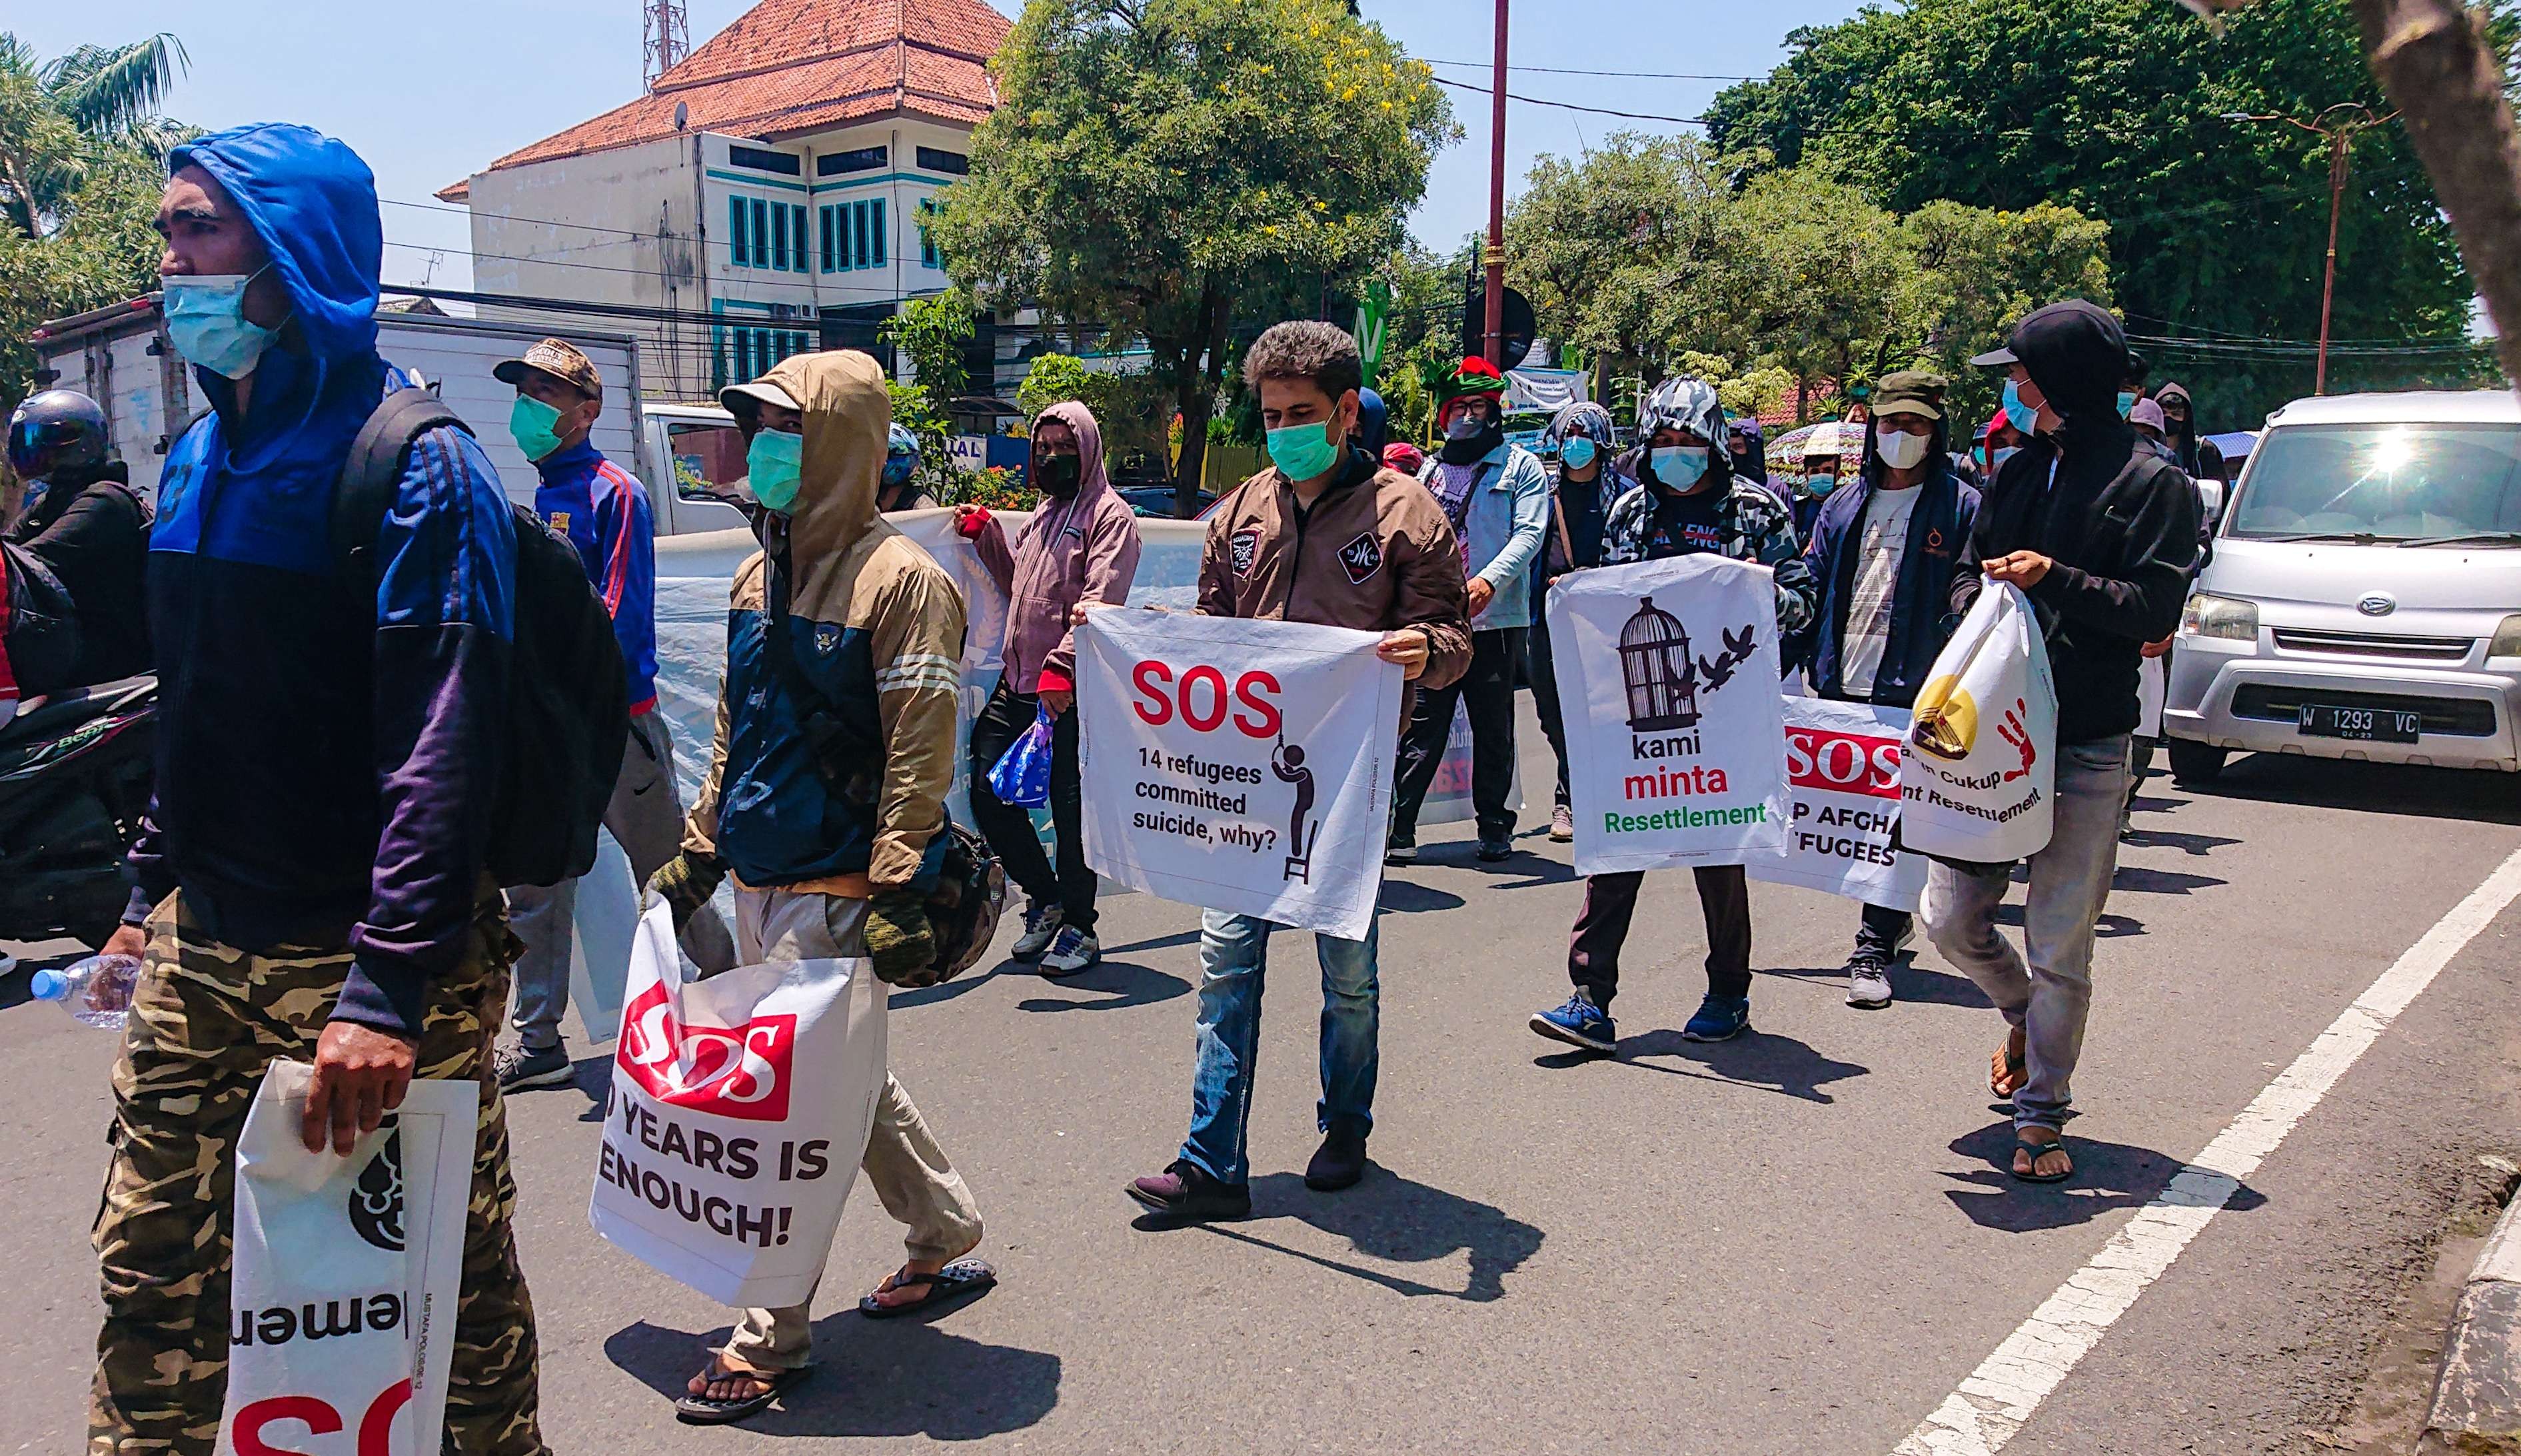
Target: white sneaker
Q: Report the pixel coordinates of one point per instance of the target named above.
(1041, 926)
(1562, 825)
(1073, 951)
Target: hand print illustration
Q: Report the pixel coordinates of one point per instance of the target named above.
(2012, 732)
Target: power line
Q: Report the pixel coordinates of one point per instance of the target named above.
(1650, 76)
(1569, 105)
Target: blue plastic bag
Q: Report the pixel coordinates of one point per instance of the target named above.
(1021, 776)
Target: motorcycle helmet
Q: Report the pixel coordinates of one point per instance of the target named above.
(54, 431)
(901, 455)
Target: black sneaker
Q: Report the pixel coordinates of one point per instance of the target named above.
(1401, 849)
(519, 1067)
(1183, 1192)
(1491, 851)
(1341, 1160)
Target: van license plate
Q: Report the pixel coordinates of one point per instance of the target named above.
(2375, 724)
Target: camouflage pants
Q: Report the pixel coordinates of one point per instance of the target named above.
(205, 1021)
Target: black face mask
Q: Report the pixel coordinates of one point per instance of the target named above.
(1060, 475)
(1471, 436)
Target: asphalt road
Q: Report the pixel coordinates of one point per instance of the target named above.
(1797, 1242)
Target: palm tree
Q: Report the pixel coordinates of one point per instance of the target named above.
(55, 116)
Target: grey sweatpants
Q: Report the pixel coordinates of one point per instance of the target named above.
(646, 819)
(909, 1172)
(2049, 997)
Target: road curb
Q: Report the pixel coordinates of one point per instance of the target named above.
(2477, 1391)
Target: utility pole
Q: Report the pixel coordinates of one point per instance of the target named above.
(2340, 135)
(1494, 338)
(665, 38)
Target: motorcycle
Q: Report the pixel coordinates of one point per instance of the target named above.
(74, 779)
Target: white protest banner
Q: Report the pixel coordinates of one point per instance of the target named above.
(1843, 792)
(341, 1307)
(1978, 776)
(739, 1111)
(1238, 766)
(1675, 737)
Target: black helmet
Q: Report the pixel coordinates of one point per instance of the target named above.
(54, 431)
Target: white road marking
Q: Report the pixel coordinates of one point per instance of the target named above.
(1999, 1397)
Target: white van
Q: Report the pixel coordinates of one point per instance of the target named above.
(2365, 597)
(121, 358)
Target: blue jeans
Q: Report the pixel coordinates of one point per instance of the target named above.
(1233, 951)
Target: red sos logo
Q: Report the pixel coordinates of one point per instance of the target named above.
(317, 1417)
(1202, 699)
(1818, 758)
(734, 1071)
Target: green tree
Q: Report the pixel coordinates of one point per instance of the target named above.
(1615, 249)
(1158, 165)
(81, 164)
(1978, 270)
(2217, 228)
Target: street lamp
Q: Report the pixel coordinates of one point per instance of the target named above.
(2340, 134)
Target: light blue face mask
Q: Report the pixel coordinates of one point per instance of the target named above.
(771, 465)
(1820, 485)
(2127, 403)
(2024, 417)
(207, 323)
(1577, 453)
(1677, 467)
(2003, 454)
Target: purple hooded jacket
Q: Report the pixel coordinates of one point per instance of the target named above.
(1082, 549)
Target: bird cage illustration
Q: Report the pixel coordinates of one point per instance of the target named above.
(1655, 665)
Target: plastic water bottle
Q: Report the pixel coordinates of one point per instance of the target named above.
(96, 991)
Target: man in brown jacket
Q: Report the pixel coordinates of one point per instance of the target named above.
(1327, 536)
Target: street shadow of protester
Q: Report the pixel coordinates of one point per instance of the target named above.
(1755, 1058)
(2107, 1176)
(1120, 984)
(2110, 927)
(1910, 981)
(876, 1378)
(1395, 1219)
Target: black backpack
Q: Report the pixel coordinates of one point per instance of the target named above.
(568, 717)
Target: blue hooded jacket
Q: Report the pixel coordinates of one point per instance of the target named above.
(326, 755)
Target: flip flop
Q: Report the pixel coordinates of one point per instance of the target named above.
(2014, 1066)
(2037, 1150)
(961, 1280)
(701, 1410)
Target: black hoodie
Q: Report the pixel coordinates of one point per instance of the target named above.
(2122, 563)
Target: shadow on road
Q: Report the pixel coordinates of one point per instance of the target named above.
(1156, 942)
(876, 1378)
(1536, 872)
(2171, 839)
(1405, 898)
(2107, 1176)
(2160, 881)
(1392, 1218)
(1122, 984)
(2374, 787)
(1755, 1058)
(2110, 928)
(1921, 985)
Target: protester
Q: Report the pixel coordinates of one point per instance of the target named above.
(1496, 497)
(1748, 448)
(899, 489)
(1884, 555)
(1679, 498)
(2146, 417)
(1373, 423)
(312, 870)
(825, 800)
(1583, 432)
(1322, 537)
(1825, 458)
(2197, 457)
(603, 510)
(81, 521)
(1405, 457)
(1081, 545)
(2102, 536)
(1998, 442)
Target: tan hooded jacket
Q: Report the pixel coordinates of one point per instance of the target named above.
(873, 618)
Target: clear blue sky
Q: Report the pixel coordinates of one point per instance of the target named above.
(429, 94)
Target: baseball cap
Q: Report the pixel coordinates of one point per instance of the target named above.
(744, 399)
(558, 358)
(1994, 358)
(1911, 391)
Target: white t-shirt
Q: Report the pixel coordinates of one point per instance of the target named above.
(1884, 540)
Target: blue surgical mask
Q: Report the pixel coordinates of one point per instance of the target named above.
(1820, 485)
(1577, 453)
(2024, 417)
(2127, 403)
(771, 465)
(1678, 466)
(207, 323)
(2003, 454)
